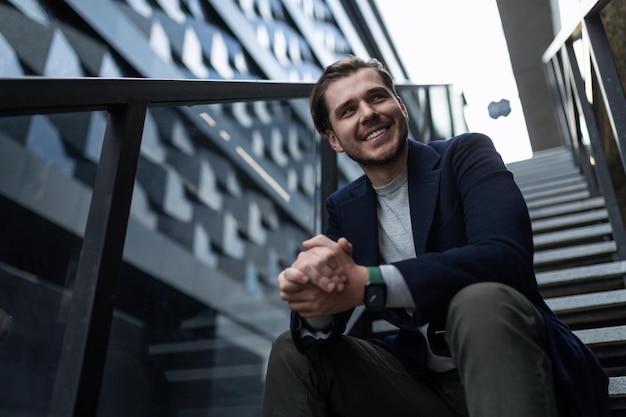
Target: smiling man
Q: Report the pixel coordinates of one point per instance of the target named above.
(436, 239)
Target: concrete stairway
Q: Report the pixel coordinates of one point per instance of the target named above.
(578, 270)
(213, 370)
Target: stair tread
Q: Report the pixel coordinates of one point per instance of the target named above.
(215, 372)
(567, 208)
(597, 271)
(565, 198)
(572, 234)
(538, 176)
(188, 346)
(551, 184)
(548, 164)
(553, 192)
(602, 335)
(570, 220)
(574, 252)
(590, 301)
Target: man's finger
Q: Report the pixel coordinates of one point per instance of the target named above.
(318, 240)
(345, 245)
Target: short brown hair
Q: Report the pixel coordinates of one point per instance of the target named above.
(340, 69)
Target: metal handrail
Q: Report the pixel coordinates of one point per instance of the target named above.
(78, 380)
(577, 115)
(39, 95)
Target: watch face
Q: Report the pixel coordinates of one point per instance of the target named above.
(375, 296)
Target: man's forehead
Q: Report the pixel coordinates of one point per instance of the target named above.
(362, 80)
(363, 73)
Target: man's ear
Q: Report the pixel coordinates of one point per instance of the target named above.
(333, 141)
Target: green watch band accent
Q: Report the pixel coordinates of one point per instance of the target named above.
(374, 275)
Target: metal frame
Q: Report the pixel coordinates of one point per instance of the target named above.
(577, 115)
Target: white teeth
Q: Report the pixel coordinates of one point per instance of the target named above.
(375, 134)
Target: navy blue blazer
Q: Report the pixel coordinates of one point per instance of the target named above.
(470, 224)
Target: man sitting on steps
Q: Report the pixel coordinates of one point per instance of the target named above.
(436, 239)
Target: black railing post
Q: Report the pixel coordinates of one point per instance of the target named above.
(330, 177)
(608, 81)
(85, 343)
(601, 166)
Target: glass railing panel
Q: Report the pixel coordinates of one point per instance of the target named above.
(441, 112)
(47, 169)
(223, 198)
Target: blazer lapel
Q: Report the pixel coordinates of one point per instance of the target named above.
(423, 173)
(362, 224)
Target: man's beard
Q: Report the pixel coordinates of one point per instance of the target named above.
(391, 156)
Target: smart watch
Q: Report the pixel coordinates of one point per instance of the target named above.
(375, 295)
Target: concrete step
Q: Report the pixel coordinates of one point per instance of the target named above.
(554, 256)
(551, 184)
(543, 157)
(570, 220)
(533, 167)
(587, 302)
(559, 199)
(582, 274)
(541, 195)
(538, 179)
(534, 171)
(571, 227)
(567, 208)
(215, 373)
(572, 236)
(535, 178)
(602, 336)
(188, 346)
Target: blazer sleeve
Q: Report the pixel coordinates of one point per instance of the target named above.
(339, 320)
(481, 231)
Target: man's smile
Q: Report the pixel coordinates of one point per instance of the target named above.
(375, 134)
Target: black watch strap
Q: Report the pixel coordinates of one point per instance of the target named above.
(375, 294)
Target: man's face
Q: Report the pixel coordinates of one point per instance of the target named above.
(369, 123)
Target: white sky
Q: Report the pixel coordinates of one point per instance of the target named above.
(461, 42)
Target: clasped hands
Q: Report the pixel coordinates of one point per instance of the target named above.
(324, 279)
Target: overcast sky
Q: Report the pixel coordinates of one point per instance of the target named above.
(461, 42)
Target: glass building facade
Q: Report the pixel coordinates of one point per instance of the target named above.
(223, 196)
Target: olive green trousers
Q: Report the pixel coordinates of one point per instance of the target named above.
(496, 338)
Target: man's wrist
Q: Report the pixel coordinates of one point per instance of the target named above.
(374, 275)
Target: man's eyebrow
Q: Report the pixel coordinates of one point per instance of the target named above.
(378, 90)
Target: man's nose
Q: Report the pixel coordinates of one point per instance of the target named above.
(368, 112)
